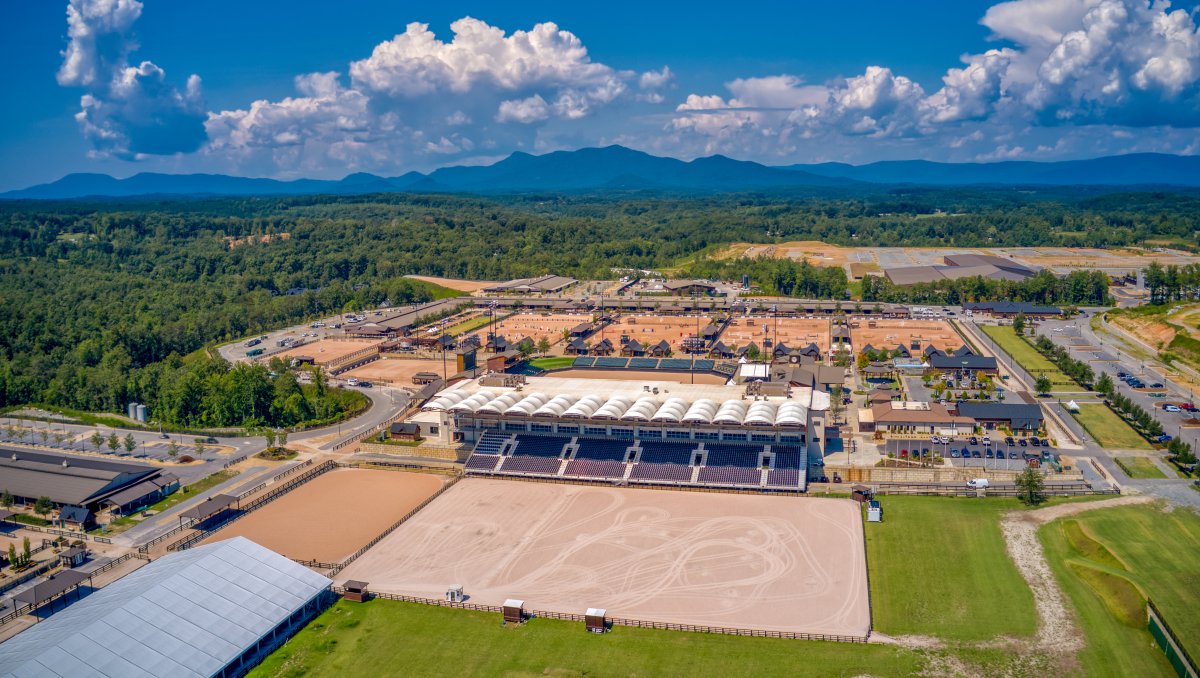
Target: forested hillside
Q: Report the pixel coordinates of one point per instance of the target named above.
(95, 298)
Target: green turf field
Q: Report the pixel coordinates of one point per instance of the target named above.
(469, 325)
(384, 637)
(1139, 467)
(1107, 560)
(1027, 356)
(938, 567)
(553, 362)
(1108, 429)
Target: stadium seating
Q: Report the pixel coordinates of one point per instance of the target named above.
(540, 446)
(482, 462)
(675, 364)
(667, 453)
(783, 477)
(749, 456)
(705, 364)
(643, 363)
(536, 465)
(611, 362)
(790, 456)
(490, 443)
(599, 448)
(590, 468)
(730, 475)
(675, 472)
(584, 362)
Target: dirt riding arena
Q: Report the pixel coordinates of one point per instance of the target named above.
(793, 332)
(533, 325)
(399, 371)
(651, 329)
(641, 375)
(334, 514)
(794, 564)
(325, 351)
(454, 283)
(889, 333)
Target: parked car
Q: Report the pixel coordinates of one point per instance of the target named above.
(1010, 441)
(1023, 442)
(973, 440)
(1168, 407)
(1035, 441)
(1012, 454)
(976, 454)
(978, 483)
(1156, 385)
(988, 454)
(954, 453)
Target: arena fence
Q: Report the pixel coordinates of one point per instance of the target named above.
(1176, 652)
(622, 621)
(81, 536)
(1005, 491)
(638, 485)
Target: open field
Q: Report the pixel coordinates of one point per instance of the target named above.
(1107, 561)
(334, 514)
(938, 567)
(454, 283)
(363, 639)
(470, 324)
(552, 363)
(324, 351)
(1109, 430)
(651, 329)
(399, 371)
(532, 325)
(794, 332)
(1139, 467)
(1028, 357)
(774, 563)
(648, 375)
(890, 333)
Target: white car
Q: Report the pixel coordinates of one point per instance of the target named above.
(352, 381)
(1171, 408)
(978, 483)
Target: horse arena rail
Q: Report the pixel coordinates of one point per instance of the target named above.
(957, 491)
(295, 469)
(81, 536)
(622, 621)
(145, 548)
(641, 485)
(1168, 641)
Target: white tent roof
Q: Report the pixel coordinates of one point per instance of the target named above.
(187, 614)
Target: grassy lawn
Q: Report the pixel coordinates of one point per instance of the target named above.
(378, 637)
(1027, 356)
(553, 362)
(470, 325)
(1139, 467)
(1107, 561)
(938, 567)
(1108, 429)
(207, 483)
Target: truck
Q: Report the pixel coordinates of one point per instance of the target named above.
(978, 483)
(253, 342)
(255, 352)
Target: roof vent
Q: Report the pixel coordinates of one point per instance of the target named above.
(14, 456)
(65, 464)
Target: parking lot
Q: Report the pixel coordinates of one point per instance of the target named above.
(999, 455)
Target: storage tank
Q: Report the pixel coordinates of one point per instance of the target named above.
(141, 413)
(131, 410)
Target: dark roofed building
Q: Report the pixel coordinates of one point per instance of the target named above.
(404, 430)
(973, 363)
(748, 348)
(603, 348)
(582, 330)
(1017, 416)
(76, 518)
(632, 348)
(683, 288)
(576, 346)
(1008, 309)
(70, 480)
(720, 350)
(659, 350)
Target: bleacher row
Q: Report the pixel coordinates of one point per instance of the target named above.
(702, 364)
(641, 461)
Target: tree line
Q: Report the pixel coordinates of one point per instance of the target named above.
(1077, 288)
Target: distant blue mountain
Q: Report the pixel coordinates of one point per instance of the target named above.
(1114, 170)
(615, 168)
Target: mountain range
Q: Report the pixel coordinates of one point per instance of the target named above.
(616, 168)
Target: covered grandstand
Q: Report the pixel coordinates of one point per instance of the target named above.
(634, 432)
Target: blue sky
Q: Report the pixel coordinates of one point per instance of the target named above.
(313, 89)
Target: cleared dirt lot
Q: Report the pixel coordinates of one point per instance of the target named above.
(638, 375)
(400, 371)
(889, 333)
(533, 325)
(776, 563)
(454, 283)
(335, 514)
(651, 329)
(325, 351)
(794, 332)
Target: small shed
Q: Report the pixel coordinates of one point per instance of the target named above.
(73, 557)
(405, 430)
(860, 493)
(874, 512)
(595, 620)
(356, 591)
(76, 517)
(454, 594)
(514, 611)
(421, 378)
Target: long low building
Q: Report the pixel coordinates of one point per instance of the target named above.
(88, 482)
(215, 610)
(651, 432)
(544, 284)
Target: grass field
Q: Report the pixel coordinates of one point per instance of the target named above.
(1107, 560)
(1139, 467)
(938, 567)
(469, 325)
(379, 637)
(1108, 429)
(1027, 356)
(552, 363)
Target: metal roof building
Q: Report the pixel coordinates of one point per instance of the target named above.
(71, 479)
(215, 610)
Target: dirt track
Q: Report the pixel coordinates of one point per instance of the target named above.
(776, 563)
